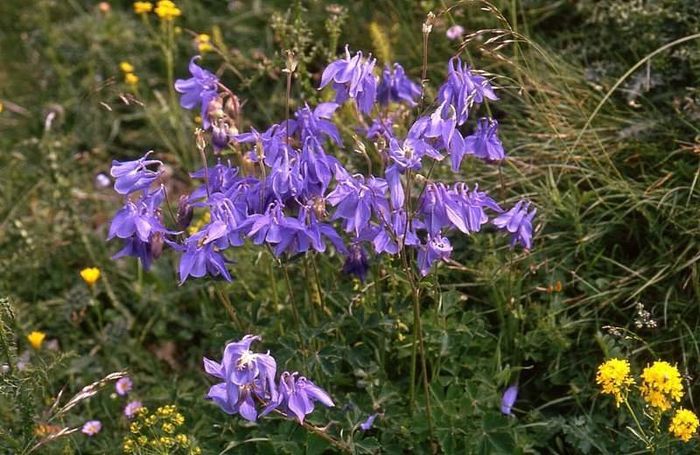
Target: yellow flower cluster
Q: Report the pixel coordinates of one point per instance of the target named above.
(143, 7)
(203, 43)
(661, 384)
(614, 379)
(167, 10)
(156, 432)
(129, 77)
(684, 424)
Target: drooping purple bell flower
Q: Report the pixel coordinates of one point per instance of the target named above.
(199, 90)
(368, 423)
(518, 221)
(436, 248)
(297, 395)
(508, 400)
(352, 77)
(463, 89)
(247, 377)
(396, 87)
(484, 143)
(132, 176)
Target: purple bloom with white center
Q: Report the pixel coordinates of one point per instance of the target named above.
(508, 400)
(132, 176)
(484, 144)
(132, 408)
(123, 386)
(368, 423)
(199, 90)
(396, 87)
(246, 376)
(454, 32)
(437, 248)
(518, 221)
(91, 427)
(352, 77)
(297, 395)
(464, 89)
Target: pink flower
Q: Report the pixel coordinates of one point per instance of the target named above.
(123, 386)
(92, 427)
(132, 408)
(455, 32)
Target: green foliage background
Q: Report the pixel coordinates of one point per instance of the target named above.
(618, 209)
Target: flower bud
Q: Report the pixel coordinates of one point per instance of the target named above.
(184, 212)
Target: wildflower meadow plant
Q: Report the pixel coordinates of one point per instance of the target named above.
(659, 389)
(294, 191)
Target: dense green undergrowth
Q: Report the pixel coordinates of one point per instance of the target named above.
(611, 162)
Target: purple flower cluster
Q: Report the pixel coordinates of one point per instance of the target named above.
(139, 223)
(250, 388)
(294, 196)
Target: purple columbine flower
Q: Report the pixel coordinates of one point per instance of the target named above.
(131, 409)
(91, 427)
(132, 176)
(396, 87)
(316, 123)
(484, 143)
(357, 199)
(436, 248)
(454, 32)
(298, 394)
(367, 424)
(199, 90)
(463, 89)
(508, 400)
(123, 386)
(248, 377)
(352, 77)
(201, 254)
(518, 222)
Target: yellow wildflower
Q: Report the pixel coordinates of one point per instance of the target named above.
(178, 419)
(143, 7)
(167, 10)
(128, 446)
(167, 441)
(126, 67)
(181, 439)
(90, 275)
(131, 79)
(614, 379)
(168, 427)
(142, 440)
(135, 427)
(203, 42)
(36, 339)
(661, 383)
(684, 424)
